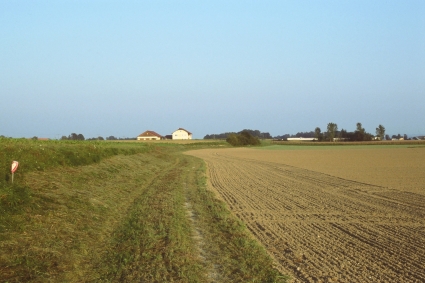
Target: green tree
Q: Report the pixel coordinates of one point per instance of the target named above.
(73, 137)
(318, 134)
(380, 132)
(360, 132)
(342, 134)
(332, 128)
(247, 138)
(243, 138)
(359, 127)
(233, 139)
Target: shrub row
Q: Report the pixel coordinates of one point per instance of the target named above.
(243, 139)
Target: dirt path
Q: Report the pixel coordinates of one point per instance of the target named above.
(321, 227)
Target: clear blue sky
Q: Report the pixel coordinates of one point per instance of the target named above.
(122, 67)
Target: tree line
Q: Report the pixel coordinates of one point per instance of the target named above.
(73, 137)
(80, 137)
(332, 133)
(254, 133)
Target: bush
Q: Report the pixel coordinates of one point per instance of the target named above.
(242, 139)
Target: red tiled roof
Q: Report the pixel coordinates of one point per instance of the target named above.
(40, 139)
(149, 133)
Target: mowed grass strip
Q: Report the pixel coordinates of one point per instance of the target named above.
(154, 242)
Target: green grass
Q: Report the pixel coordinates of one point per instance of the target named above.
(34, 155)
(154, 241)
(44, 156)
(118, 212)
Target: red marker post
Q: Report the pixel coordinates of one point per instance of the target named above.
(15, 165)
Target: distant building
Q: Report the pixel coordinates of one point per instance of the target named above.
(149, 136)
(182, 134)
(302, 139)
(39, 139)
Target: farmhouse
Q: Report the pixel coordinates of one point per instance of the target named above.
(182, 134)
(149, 135)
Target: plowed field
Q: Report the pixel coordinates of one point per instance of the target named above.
(329, 215)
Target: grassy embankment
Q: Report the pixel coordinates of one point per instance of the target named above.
(118, 212)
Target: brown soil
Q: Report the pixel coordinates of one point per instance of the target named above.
(331, 215)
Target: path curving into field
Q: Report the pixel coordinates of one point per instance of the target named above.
(321, 227)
